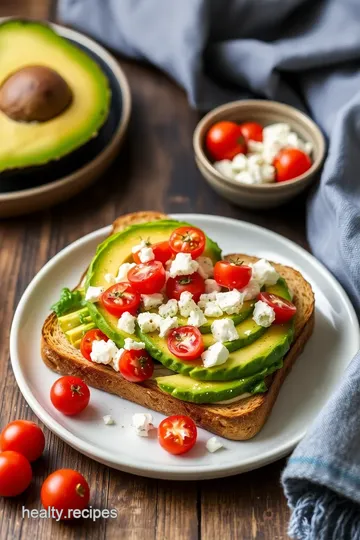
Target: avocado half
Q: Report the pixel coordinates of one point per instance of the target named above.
(37, 128)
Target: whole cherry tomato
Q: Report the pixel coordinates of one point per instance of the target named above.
(193, 283)
(188, 240)
(185, 342)
(119, 298)
(232, 274)
(252, 131)
(88, 339)
(15, 473)
(24, 437)
(70, 395)
(290, 163)
(225, 140)
(136, 365)
(177, 434)
(65, 490)
(284, 310)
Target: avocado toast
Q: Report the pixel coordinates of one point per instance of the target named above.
(259, 360)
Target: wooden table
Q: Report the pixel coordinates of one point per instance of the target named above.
(156, 170)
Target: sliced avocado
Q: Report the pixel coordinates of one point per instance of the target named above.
(53, 96)
(248, 332)
(246, 310)
(116, 250)
(76, 334)
(74, 319)
(186, 389)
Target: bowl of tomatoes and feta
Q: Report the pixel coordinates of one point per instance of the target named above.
(258, 153)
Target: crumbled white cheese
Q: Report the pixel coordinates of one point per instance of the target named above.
(215, 355)
(169, 309)
(148, 322)
(230, 302)
(142, 422)
(206, 267)
(263, 315)
(224, 167)
(151, 301)
(115, 361)
(212, 309)
(239, 163)
(196, 318)
(255, 147)
(139, 247)
(103, 351)
(123, 271)
(110, 279)
(131, 345)
(251, 290)
(167, 324)
(205, 298)
(264, 273)
(186, 304)
(93, 294)
(224, 330)
(213, 445)
(211, 286)
(183, 265)
(245, 177)
(108, 420)
(126, 323)
(146, 254)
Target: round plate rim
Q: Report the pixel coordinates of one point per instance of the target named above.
(171, 472)
(121, 78)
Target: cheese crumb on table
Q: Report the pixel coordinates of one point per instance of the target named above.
(108, 420)
(142, 422)
(213, 445)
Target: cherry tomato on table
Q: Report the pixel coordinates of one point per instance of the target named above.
(185, 342)
(65, 490)
(232, 274)
(70, 395)
(188, 240)
(136, 365)
(194, 284)
(252, 131)
(88, 339)
(177, 434)
(24, 437)
(119, 298)
(290, 163)
(224, 140)
(15, 473)
(284, 310)
(147, 278)
(162, 252)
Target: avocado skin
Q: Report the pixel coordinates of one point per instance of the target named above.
(212, 392)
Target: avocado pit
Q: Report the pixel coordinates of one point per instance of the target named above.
(34, 94)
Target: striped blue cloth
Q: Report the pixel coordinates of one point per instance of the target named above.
(305, 53)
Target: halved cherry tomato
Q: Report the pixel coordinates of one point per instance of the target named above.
(284, 310)
(65, 490)
(162, 252)
(119, 298)
(290, 163)
(147, 278)
(70, 395)
(136, 366)
(194, 284)
(232, 274)
(252, 131)
(87, 341)
(24, 437)
(185, 342)
(15, 473)
(224, 140)
(188, 240)
(177, 434)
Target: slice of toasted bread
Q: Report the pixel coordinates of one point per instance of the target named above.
(238, 421)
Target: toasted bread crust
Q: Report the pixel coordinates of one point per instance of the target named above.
(237, 421)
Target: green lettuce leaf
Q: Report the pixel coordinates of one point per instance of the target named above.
(69, 301)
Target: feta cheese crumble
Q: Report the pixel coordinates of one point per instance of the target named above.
(139, 247)
(186, 304)
(93, 294)
(108, 420)
(264, 273)
(110, 279)
(103, 351)
(212, 309)
(115, 361)
(251, 290)
(205, 298)
(142, 422)
(169, 309)
(224, 330)
(183, 265)
(146, 254)
(206, 267)
(213, 445)
(215, 355)
(148, 322)
(230, 302)
(123, 271)
(196, 318)
(131, 345)
(151, 301)
(126, 323)
(167, 324)
(263, 315)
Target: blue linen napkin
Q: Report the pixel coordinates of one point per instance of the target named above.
(305, 53)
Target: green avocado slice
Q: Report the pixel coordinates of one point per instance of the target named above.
(248, 332)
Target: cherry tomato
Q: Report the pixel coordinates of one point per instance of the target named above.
(147, 278)
(136, 366)
(188, 240)
(194, 284)
(87, 341)
(177, 434)
(186, 342)
(65, 490)
(252, 131)
(162, 252)
(119, 298)
(24, 437)
(70, 395)
(232, 274)
(284, 310)
(290, 163)
(15, 473)
(224, 140)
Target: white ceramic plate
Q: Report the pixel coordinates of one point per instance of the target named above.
(315, 375)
